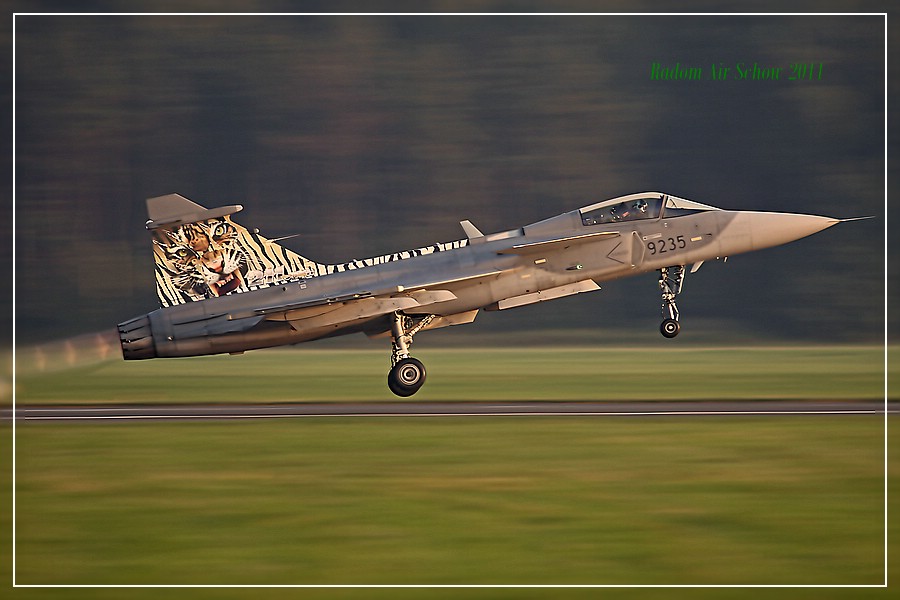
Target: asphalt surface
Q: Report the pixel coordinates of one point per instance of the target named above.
(206, 412)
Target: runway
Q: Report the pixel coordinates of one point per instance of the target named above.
(206, 412)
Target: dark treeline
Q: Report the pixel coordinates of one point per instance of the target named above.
(367, 135)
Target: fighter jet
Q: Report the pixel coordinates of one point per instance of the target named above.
(223, 288)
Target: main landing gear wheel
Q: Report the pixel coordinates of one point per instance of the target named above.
(670, 328)
(406, 377)
(407, 374)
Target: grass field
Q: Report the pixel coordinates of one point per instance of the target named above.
(537, 500)
(787, 500)
(576, 373)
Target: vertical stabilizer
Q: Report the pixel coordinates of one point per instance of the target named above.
(201, 253)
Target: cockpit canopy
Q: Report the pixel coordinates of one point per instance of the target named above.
(644, 206)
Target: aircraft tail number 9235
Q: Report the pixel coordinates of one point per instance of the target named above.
(223, 288)
(664, 245)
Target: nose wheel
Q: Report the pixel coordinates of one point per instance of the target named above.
(670, 328)
(671, 280)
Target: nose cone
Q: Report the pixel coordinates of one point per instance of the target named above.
(765, 229)
(774, 229)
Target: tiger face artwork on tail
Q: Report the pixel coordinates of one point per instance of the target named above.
(202, 253)
(203, 259)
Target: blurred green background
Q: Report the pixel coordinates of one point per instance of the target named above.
(366, 135)
(500, 500)
(585, 373)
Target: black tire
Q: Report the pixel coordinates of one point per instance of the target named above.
(670, 328)
(406, 377)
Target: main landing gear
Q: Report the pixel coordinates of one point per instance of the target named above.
(670, 281)
(407, 374)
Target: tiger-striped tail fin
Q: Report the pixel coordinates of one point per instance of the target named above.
(201, 253)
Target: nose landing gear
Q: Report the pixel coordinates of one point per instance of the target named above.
(671, 280)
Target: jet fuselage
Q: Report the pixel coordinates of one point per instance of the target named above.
(560, 256)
